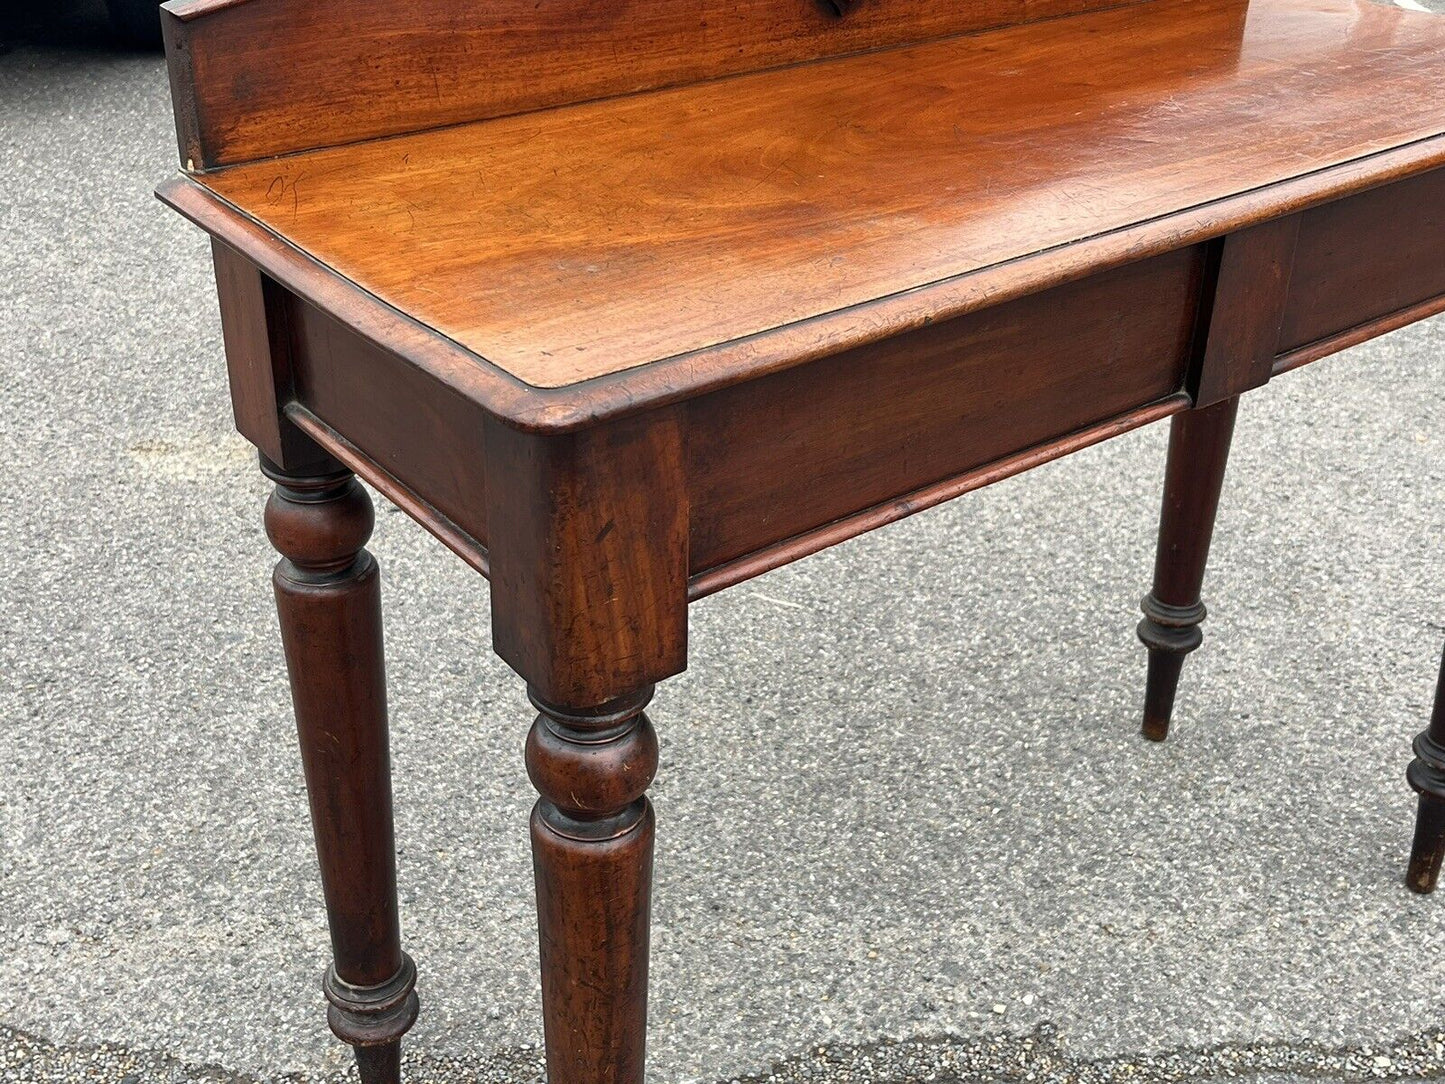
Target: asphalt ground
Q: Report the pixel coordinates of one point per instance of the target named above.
(908, 831)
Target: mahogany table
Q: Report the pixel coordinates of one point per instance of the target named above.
(627, 303)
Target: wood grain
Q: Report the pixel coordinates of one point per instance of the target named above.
(587, 547)
(874, 423)
(1251, 290)
(258, 359)
(621, 353)
(258, 78)
(1365, 257)
(766, 558)
(376, 401)
(661, 383)
(328, 600)
(442, 527)
(592, 843)
(1199, 442)
(773, 458)
(575, 243)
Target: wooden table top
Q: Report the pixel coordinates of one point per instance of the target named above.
(587, 240)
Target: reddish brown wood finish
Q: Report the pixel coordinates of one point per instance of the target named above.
(1198, 452)
(592, 844)
(258, 360)
(448, 532)
(1249, 299)
(629, 240)
(623, 353)
(257, 78)
(1367, 257)
(1427, 777)
(966, 154)
(381, 404)
(679, 378)
(588, 556)
(872, 424)
(328, 596)
(773, 458)
(1370, 329)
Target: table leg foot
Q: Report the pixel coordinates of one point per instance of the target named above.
(1429, 845)
(1170, 633)
(373, 1019)
(592, 844)
(1194, 478)
(379, 1064)
(328, 597)
(1427, 777)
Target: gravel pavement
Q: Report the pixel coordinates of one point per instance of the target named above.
(908, 831)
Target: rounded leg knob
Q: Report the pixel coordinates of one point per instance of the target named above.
(328, 597)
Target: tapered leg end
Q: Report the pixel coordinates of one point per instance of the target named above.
(1159, 689)
(1426, 776)
(1429, 846)
(379, 1064)
(1198, 452)
(1170, 633)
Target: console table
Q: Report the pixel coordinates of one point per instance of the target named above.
(628, 303)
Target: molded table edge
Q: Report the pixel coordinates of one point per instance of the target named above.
(670, 380)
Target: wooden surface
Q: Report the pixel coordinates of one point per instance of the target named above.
(588, 550)
(1251, 290)
(1427, 777)
(258, 78)
(592, 844)
(574, 243)
(772, 458)
(1199, 443)
(769, 459)
(1359, 258)
(623, 353)
(328, 600)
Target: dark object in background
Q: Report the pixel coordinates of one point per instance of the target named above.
(137, 21)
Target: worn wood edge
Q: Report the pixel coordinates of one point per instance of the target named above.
(1301, 356)
(806, 340)
(668, 380)
(754, 564)
(184, 106)
(393, 489)
(380, 324)
(771, 557)
(186, 10)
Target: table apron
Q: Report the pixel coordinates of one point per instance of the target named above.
(789, 463)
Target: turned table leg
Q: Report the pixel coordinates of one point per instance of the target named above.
(328, 595)
(588, 554)
(1427, 776)
(592, 839)
(1198, 451)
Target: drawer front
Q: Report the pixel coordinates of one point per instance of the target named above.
(1366, 257)
(773, 458)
